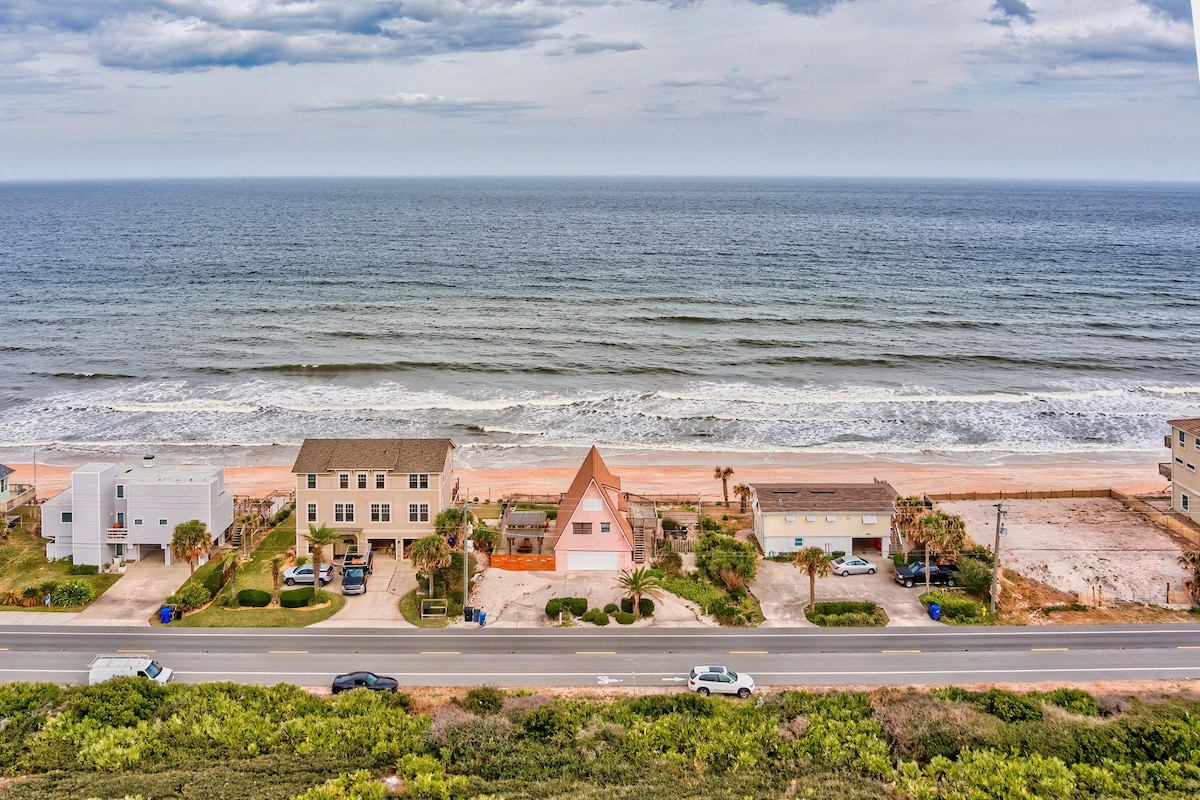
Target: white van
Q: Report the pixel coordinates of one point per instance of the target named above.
(131, 666)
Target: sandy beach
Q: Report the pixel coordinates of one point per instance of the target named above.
(668, 473)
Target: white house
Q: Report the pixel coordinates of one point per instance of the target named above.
(850, 517)
(127, 511)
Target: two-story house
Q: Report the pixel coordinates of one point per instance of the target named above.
(129, 511)
(382, 492)
(1184, 442)
(595, 531)
(848, 517)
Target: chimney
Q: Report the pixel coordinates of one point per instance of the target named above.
(147, 461)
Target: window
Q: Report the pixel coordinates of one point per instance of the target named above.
(312, 480)
(605, 527)
(591, 504)
(418, 481)
(137, 520)
(1183, 502)
(1182, 439)
(418, 512)
(1178, 460)
(343, 512)
(810, 517)
(362, 480)
(789, 517)
(162, 522)
(1198, 442)
(344, 480)
(312, 512)
(381, 512)
(798, 542)
(869, 519)
(1191, 467)
(120, 491)
(831, 517)
(379, 481)
(581, 528)
(66, 516)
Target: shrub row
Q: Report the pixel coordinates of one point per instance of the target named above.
(255, 598)
(957, 607)
(847, 614)
(576, 606)
(645, 606)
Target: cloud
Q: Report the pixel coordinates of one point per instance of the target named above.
(425, 103)
(1174, 10)
(811, 8)
(580, 45)
(1008, 10)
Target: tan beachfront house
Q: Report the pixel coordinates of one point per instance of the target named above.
(1184, 442)
(382, 492)
(846, 517)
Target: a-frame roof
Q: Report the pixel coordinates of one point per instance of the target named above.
(594, 469)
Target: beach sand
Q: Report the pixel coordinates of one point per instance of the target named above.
(668, 473)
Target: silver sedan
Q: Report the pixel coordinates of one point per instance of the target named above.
(852, 565)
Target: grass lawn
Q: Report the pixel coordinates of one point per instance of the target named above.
(410, 609)
(23, 564)
(256, 574)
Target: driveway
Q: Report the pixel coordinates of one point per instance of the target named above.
(782, 591)
(390, 580)
(138, 595)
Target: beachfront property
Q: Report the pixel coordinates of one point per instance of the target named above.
(382, 492)
(127, 512)
(13, 495)
(1184, 442)
(601, 528)
(5, 471)
(846, 517)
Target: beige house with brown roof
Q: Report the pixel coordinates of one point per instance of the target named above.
(847, 517)
(382, 492)
(1184, 442)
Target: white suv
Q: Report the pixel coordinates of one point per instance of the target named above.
(720, 680)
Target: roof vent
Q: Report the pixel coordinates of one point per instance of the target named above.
(147, 461)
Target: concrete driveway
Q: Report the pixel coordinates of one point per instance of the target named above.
(138, 595)
(782, 591)
(390, 580)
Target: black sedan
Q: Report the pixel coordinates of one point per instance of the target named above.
(364, 680)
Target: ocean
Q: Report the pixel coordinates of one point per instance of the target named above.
(530, 317)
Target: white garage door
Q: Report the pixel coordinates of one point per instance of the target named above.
(582, 560)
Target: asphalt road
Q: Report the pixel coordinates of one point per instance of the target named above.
(639, 657)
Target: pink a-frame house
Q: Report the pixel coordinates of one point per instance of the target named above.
(593, 521)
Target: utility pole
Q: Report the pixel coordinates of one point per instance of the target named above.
(468, 546)
(1000, 512)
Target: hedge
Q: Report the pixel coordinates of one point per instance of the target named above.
(596, 617)
(296, 598)
(645, 606)
(576, 606)
(83, 569)
(255, 598)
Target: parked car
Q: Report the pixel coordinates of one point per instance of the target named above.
(705, 680)
(364, 680)
(354, 580)
(914, 573)
(852, 565)
(304, 574)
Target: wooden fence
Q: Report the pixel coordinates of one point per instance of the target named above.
(1171, 523)
(1025, 494)
(523, 562)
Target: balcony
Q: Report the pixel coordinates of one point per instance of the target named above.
(19, 495)
(1168, 441)
(1165, 470)
(116, 535)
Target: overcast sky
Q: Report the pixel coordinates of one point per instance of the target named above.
(975, 88)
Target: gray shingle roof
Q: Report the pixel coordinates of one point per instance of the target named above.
(871, 498)
(6, 470)
(396, 455)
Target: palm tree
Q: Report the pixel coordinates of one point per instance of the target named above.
(743, 493)
(250, 525)
(231, 568)
(908, 514)
(318, 539)
(430, 554)
(190, 541)
(276, 570)
(814, 562)
(1191, 560)
(723, 474)
(940, 532)
(638, 584)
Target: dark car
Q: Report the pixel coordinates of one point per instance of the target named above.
(914, 573)
(364, 680)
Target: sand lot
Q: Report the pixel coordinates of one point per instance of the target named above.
(1075, 545)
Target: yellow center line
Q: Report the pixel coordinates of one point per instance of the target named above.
(1047, 649)
(899, 651)
(440, 653)
(747, 652)
(137, 651)
(595, 652)
(286, 652)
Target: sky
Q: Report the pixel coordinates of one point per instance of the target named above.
(1048, 89)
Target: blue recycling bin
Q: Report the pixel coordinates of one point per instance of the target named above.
(164, 615)
(935, 611)
(481, 615)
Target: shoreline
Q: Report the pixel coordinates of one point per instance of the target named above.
(691, 473)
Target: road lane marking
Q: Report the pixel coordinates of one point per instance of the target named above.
(899, 651)
(5, 649)
(1048, 649)
(287, 652)
(595, 652)
(1188, 647)
(747, 652)
(440, 653)
(137, 651)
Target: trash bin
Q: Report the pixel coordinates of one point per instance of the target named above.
(468, 614)
(176, 613)
(935, 611)
(164, 615)
(481, 615)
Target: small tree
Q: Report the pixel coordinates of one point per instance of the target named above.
(447, 522)
(231, 567)
(814, 562)
(640, 583)
(1191, 560)
(909, 511)
(190, 541)
(429, 554)
(318, 539)
(3, 528)
(743, 493)
(940, 533)
(723, 474)
(276, 571)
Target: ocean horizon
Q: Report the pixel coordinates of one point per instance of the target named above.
(530, 317)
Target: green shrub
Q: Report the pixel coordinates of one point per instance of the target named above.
(645, 606)
(72, 594)
(975, 577)
(1048, 610)
(601, 618)
(296, 598)
(553, 607)
(670, 524)
(48, 588)
(484, 700)
(707, 523)
(283, 514)
(83, 569)
(190, 596)
(119, 702)
(978, 553)
(716, 553)
(1008, 706)
(624, 618)
(671, 564)
(255, 598)
(611, 608)
(214, 580)
(837, 553)
(576, 606)
(958, 607)
(1077, 701)
(847, 614)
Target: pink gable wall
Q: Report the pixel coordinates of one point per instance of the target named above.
(613, 541)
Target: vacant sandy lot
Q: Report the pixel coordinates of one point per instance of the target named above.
(1076, 545)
